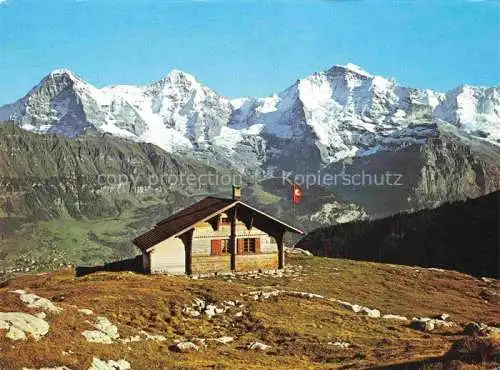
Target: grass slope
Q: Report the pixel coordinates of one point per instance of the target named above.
(298, 329)
(48, 245)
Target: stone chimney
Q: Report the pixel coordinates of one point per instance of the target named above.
(236, 192)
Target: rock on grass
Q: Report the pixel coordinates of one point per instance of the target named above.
(34, 301)
(422, 325)
(98, 364)
(258, 346)
(25, 323)
(184, 347)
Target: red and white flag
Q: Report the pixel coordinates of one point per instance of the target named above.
(296, 194)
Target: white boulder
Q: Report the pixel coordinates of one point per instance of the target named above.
(4, 325)
(422, 324)
(49, 368)
(15, 334)
(97, 336)
(98, 364)
(394, 317)
(34, 301)
(373, 313)
(26, 323)
(104, 325)
(155, 337)
(225, 340)
(86, 311)
(258, 346)
(185, 347)
(343, 345)
(132, 339)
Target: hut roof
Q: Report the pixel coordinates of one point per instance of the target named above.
(182, 221)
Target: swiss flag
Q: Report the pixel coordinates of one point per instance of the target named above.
(296, 194)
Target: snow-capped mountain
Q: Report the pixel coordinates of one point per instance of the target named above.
(331, 115)
(174, 113)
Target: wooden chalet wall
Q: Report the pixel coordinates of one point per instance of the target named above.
(202, 260)
(168, 257)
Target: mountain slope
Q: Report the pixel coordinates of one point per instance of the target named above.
(82, 200)
(462, 236)
(147, 315)
(66, 201)
(48, 176)
(447, 165)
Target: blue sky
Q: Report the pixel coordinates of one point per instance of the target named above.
(248, 48)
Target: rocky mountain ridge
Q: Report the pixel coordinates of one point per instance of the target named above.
(331, 115)
(447, 166)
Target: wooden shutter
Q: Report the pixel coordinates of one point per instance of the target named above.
(257, 245)
(240, 246)
(215, 248)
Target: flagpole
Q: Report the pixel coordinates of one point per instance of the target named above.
(293, 207)
(294, 204)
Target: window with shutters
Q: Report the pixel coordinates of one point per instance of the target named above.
(248, 245)
(219, 247)
(225, 246)
(215, 247)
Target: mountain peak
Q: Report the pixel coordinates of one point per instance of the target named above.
(350, 67)
(63, 76)
(178, 72)
(176, 75)
(63, 72)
